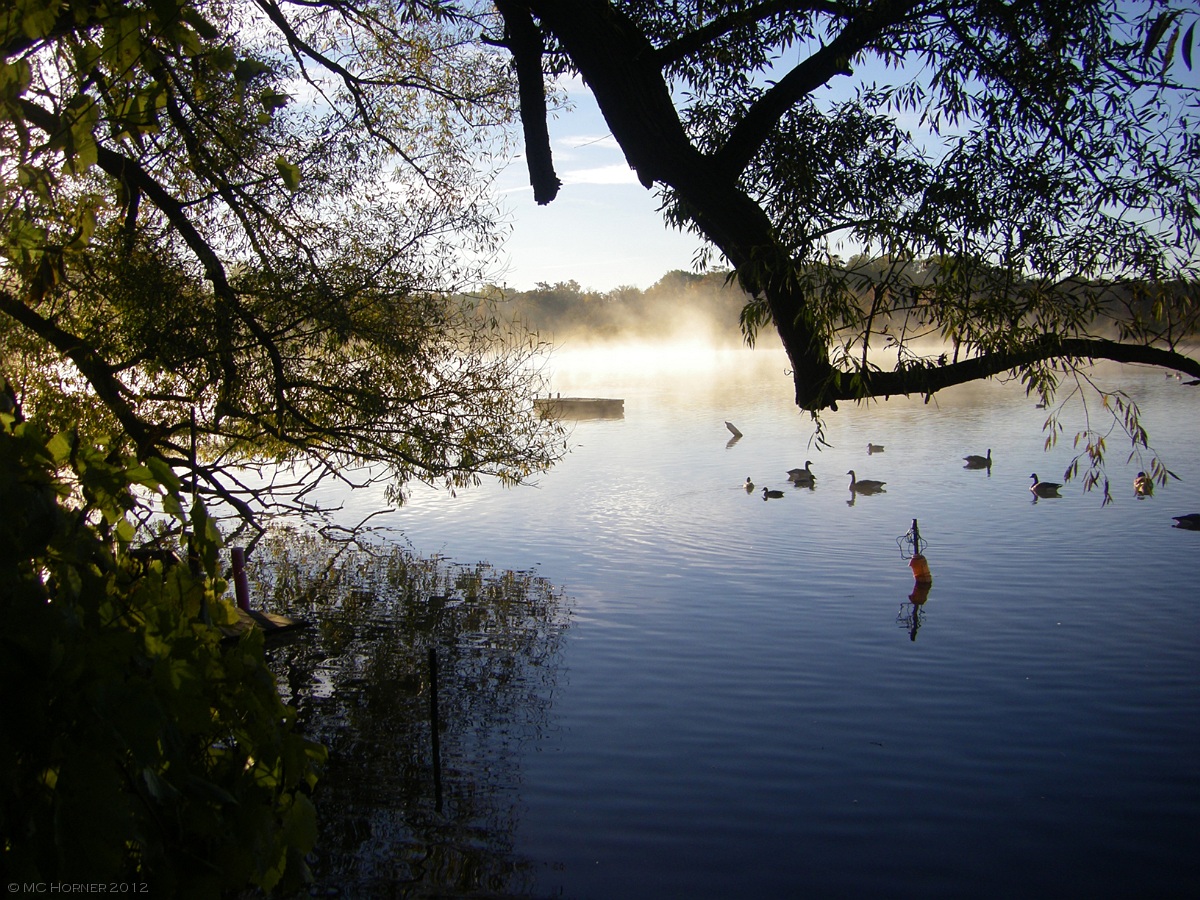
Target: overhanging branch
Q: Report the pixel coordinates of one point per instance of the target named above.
(929, 379)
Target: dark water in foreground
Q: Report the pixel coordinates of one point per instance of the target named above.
(659, 685)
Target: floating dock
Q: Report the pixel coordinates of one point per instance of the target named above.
(580, 407)
(272, 626)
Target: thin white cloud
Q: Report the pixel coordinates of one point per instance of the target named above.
(619, 173)
(586, 142)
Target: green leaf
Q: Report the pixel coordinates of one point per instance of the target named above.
(205, 28)
(37, 23)
(301, 828)
(1157, 30)
(125, 531)
(59, 447)
(160, 789)
(164, 473)
(86, 220)
(289, 172)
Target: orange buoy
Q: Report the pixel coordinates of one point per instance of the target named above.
(920, 569)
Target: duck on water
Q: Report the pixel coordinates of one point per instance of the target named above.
(865, 485)
(802, 476)
(1044, 488)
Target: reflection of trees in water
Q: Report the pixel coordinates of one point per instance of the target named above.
(360, 681)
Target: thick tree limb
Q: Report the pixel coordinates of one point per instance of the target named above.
(525, 43)
(618, 64)
(929, 379)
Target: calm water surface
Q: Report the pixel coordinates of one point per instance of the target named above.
(720, 696)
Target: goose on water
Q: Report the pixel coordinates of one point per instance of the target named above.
(1044, 488)
(1191, 521)
(802, 476)
(1143, 485)
(749, 484)
(771, 494)
(978, 462)
(874, 448)
(865, 485)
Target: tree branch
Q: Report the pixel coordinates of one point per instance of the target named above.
(71, 19)
(525, 43)
(929, 379)
(831, 60)
(693, 41)
(91, 365)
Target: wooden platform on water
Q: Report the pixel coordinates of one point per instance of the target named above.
(580, 407)
(274, 627)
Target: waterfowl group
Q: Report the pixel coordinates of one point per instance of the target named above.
(978, 462)
(1044, 488)
(864, 485)
(1143, 484)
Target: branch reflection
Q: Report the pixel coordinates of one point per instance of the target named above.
(396, 819)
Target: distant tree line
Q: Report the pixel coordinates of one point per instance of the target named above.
(679, 305)
(893, 292)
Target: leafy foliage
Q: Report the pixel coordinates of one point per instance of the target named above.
(135, 744)
(220, 210)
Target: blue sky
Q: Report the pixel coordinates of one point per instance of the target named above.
(604, 229)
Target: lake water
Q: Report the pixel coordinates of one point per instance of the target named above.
(652, 683)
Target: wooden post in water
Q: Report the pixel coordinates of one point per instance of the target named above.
(241, 588)
(434, 728)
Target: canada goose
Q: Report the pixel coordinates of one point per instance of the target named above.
(1191, 521)
(768, 493)
(1043, 488)
(749, 484)
(866, 485)
(874, 448)
(1143, 485)
(979, 462)
(802, 476)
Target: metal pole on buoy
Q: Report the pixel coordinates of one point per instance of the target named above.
(919, 564)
